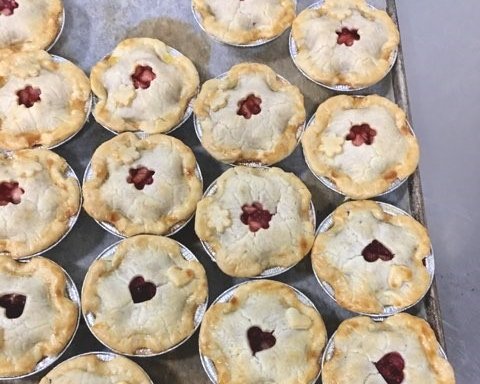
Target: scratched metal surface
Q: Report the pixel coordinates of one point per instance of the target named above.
(90, 33)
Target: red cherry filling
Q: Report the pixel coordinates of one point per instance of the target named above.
(7, 7)
(14, 305)
(260, 340)
(140, 177)
(376, 250)
(142, 290)
(143, 76)
(255, 216)
(10, 192)
(28, 96)
(361, 134)
(347, 36)
(391, 367)
(249, 106)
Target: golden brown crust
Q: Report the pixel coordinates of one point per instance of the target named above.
(232, 369)
(278, 147)
(21, 356)
(354, 328)
(42, 174)
(25, 68)
(317, 158)
(231, 35)
(407, 283)
(121, 56)
(116, 156)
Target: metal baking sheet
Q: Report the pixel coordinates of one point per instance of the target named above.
(92, 30)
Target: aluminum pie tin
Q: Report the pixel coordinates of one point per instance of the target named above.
(339, 87)
(186, 115)
(208, 364)
(61, 19)
(198, 317)
(388, 311)
(270, 272)
(72, 294)
(330, 184)
(69, 173)
(257, 43)
(199, 131)
(88, 175)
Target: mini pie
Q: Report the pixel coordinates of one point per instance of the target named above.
(143, 86)
(361, 144)
(37, 201)
(263, 334)
(142, 185)
(256, 219)
(249, 115)
(145, 295)
(399, 350)
(345, 42)
(28, 25)
(42, 101)
(37, 320)
(92, 370)
(373, 259)
(244, 22)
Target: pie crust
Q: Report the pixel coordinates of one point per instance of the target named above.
(49, 201)
(157, 324)
(61, 110)
(34, 25)
(169, 200)
(324, 58)
(360, 342)
(363, 171)
(90, 369)
(247, 21)
(156, 109)
(267, 137)
(237, 249)
(48, 320)
(272, 306)
(369, 287)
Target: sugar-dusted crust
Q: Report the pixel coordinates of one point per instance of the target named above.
(364, 63)
(34, 25)
(366, 287)
(61, 112)
(368, 170)
(267, 137)
(299, 330)
(157, 109)
(245, 21)
(360, 342)
(170, 200)
(48, 320)
(157, 324)
(49, 202)
(241, 252)
(90, 369)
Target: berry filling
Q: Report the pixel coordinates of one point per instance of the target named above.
(143, 76)
(347, 36)
(249, 106)
(361, 134)
(255, 217)
(140, 177)
(28, 96)
(14, 305)
(10, 192)
(260, 340)
(391, 367)
(142, 290)
(7, 7)
(376, 250)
